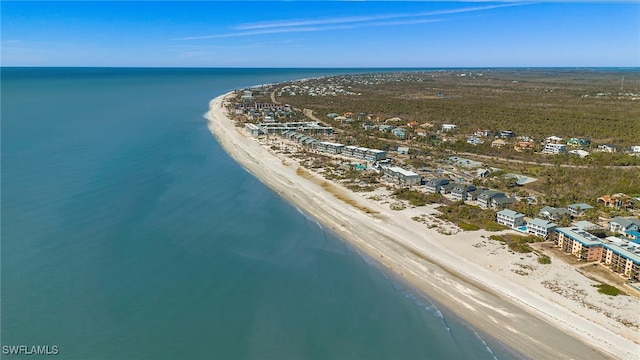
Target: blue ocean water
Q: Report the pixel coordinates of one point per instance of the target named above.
(128, 233)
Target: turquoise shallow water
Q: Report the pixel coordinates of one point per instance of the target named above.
(128, 233)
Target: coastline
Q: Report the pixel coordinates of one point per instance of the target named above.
(448, 268)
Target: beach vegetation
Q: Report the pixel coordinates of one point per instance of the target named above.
(609, 290)
(544, 259)
(414, 197)
(516, 243)
(497, 238)
(468, 227)
(460, 213)
(360, 188)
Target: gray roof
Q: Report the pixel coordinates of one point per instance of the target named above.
(581, 206)
(487, 194)
(554, 211)
(510, 213)
(500, 200)
(580, 235)
(438, 181)
(626, 222)
(587, 225)
(542, 223)
(463, 187)
(449, 186)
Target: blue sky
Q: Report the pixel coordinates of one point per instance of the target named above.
(320, 34)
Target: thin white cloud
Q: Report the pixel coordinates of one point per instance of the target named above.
(278, 27)
(352, 19)
(256, 32)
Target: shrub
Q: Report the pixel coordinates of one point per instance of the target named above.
(609, 290)
(544, 259)
(468, 227)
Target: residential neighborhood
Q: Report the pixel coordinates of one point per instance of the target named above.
(459, 180)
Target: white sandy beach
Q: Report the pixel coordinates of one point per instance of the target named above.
(544, 311)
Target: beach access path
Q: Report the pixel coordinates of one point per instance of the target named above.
(546, 314)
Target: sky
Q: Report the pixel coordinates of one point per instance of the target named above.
(343, 34)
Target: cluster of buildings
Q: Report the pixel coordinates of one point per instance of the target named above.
(485, 198)
(332, 148)
(315, 90)
(261, 111)
(621, 253)
(402, 176)
(269, 127)
(550, 145)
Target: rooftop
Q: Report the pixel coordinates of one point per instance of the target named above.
(542, 223)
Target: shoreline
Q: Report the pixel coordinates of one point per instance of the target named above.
(446, 268)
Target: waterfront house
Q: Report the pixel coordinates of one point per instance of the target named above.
(502, 202)
(622, 225)
(402, 176)
(446, 188)
(494, 199)
(510, 218)
(434, 185)
(578, 209)
(459, 191)
(541, 228)
(553, 214)
(472, 195)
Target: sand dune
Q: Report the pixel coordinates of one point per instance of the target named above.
(543, 311)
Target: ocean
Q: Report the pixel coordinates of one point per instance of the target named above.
(128, 233)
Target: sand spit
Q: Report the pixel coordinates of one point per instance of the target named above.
(543, 311)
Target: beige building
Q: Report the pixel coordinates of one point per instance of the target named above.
(620, 255)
